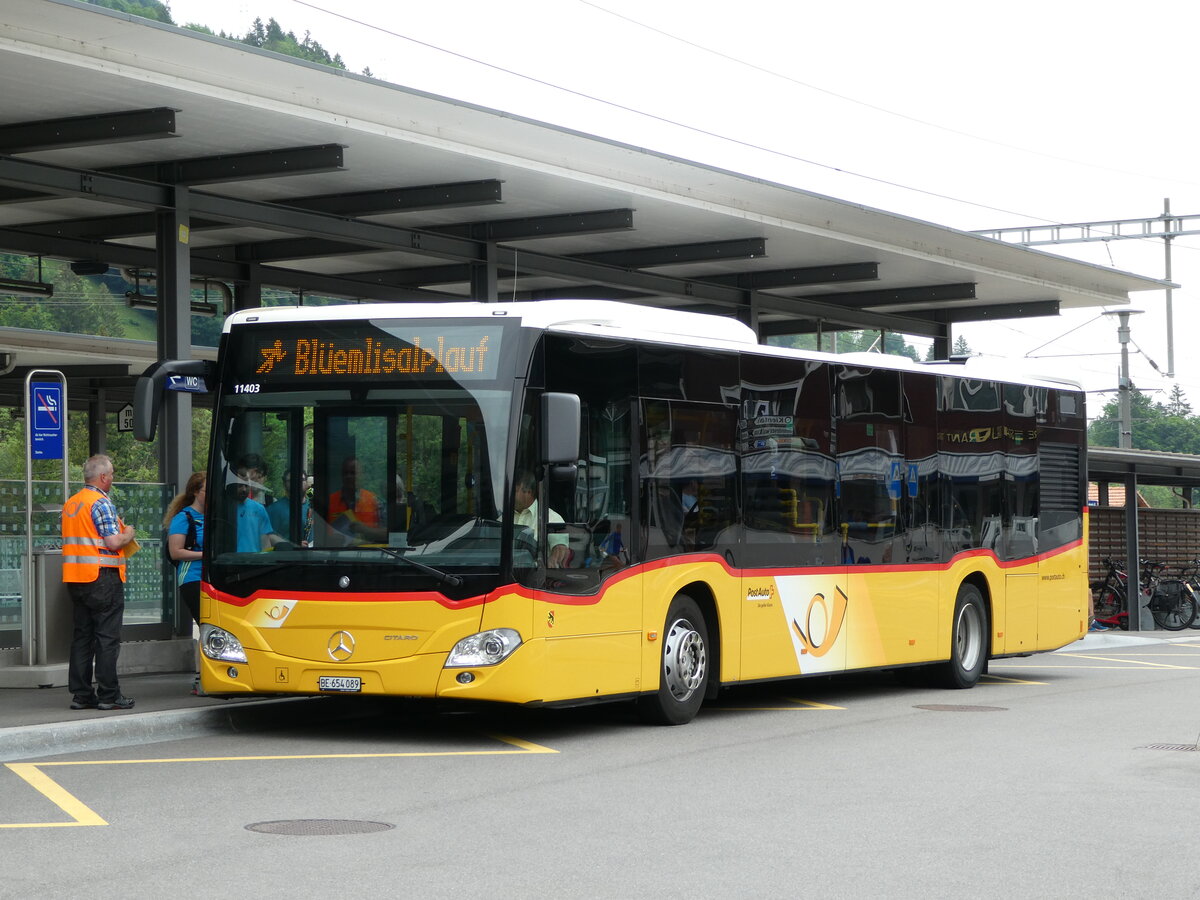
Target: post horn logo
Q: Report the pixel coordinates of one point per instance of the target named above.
(822, 622)
(340, 646)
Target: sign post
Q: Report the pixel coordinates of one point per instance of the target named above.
(45, 438)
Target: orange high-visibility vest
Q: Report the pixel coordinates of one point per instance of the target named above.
(83, 548)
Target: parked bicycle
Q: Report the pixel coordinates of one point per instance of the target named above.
(1191, 574)
(1171, 601)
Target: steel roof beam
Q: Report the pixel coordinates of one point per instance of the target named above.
(706, 251)
(84, 131)
(840, 317)
(990, 312)
(928, 294)
(585, 292)
(223, 270)
(354, 231)
(405, 199)
(229, 167)
(61, 181)
(361, 203)
(544, 226)
(808, 275)
(530, 227)
(625, 259)
(281, 249)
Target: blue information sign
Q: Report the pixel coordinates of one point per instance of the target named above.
(49, 420)
(187, 384)
(895, 479)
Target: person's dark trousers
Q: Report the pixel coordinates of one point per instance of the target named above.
(99, 607)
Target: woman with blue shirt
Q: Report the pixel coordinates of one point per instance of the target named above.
(184, 520)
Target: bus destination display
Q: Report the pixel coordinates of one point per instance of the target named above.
(396, 350)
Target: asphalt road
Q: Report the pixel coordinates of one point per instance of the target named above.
(1063, 775)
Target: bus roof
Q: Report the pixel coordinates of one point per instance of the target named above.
(646, 322)
(631, 321)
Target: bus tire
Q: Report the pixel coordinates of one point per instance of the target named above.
(683, 675)
(968, 640)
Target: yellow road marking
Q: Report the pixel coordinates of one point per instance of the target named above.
(1149, 668)
(1001, 679)
(48, 788)
(82, 815)
(796, 705)
(1133, 661)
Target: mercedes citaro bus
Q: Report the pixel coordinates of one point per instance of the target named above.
(563, 502)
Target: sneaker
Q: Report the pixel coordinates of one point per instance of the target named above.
(1096, 626)
(91, 703)
(119, 703)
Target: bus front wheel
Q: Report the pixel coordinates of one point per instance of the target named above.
(683, 674)
(968, 640)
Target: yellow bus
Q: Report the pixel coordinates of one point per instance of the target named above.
(565, 502)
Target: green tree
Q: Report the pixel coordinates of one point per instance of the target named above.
(271, 36)
(146, 9)
(1177, 403)
(1169, 427)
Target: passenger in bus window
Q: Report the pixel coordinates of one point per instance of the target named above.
(280, 511)
(253, 470)
(689, 496)
(525, 515)
(254, 531)
(353, 511)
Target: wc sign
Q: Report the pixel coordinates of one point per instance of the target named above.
(48, 422)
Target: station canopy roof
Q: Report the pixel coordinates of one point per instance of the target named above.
(311, 179)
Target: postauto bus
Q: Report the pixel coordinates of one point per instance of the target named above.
(561, 502)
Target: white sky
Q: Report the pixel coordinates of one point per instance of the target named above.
(969, 114)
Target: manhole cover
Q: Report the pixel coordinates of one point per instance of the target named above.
(319, 827)
(1171, 747)
(948, 707)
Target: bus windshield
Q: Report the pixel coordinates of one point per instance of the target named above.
(324, 469)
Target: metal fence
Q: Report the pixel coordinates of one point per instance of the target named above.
(149, 585)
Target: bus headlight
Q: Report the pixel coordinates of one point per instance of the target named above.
(217, 643)
(484, 649)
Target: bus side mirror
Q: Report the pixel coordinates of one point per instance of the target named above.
(196, 376)
(560, 433)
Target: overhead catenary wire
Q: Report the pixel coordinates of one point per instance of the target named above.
(749, 144)
(872, 106)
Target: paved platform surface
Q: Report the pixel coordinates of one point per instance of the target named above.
(37, 722)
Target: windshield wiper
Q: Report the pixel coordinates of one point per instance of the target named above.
(443, 577)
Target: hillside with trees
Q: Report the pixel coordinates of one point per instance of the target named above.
(1168, 426)
(269, 36)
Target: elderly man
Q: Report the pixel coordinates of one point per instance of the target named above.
(94, 572)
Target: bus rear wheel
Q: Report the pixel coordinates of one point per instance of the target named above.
(968, 640)
(683, 675)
